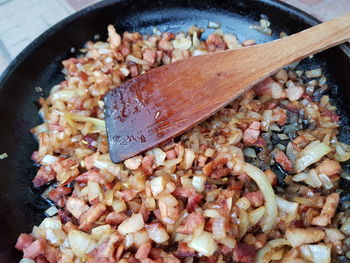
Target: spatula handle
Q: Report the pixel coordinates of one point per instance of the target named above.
(309, 41)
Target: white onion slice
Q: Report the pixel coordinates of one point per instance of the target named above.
(270, 216)
(265, 253)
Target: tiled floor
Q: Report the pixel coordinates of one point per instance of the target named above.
(21, 21)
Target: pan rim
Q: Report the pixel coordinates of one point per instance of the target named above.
(38, 41)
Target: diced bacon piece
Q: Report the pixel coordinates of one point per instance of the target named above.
(76, 206)
(179, 54)
(193, 197)
(24, 241)
(147, 163)
(115, 218)
(90, 160)
(69, 226)
(191, 222)
(255, 198)
(52, 254)
(149, 55)
(171, 154)
(87, 219)
(133, 70)
(143, 251)
(282, 159)
(165, 45)
(129, 194)
(124, 50)
(334, 117)
(216, 41)
(59, 192)
(294, 93)
(244, 178)
(244, 253)
(64, 215)
(328, 210)
(270, 87)
(104, 252)
(35, 249)
(41, 259)
(92, 175)
(220, 172)
(184, 251)
(35, 156)
(328, 167)
(280, 115)
(251, 135)
(44, 176)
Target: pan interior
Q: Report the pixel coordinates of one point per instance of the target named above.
(39, 65)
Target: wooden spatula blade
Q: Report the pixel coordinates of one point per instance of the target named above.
(164, 102)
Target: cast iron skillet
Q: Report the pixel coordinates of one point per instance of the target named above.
(21, 206)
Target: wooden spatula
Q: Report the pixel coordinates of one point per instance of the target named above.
(166, 101)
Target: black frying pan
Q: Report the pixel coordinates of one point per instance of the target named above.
(21, 206)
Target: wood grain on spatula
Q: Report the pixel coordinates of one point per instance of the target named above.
(168, 100)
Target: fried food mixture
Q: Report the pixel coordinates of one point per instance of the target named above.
(257, 182)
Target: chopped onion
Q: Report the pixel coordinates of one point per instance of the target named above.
(314, 73)
(341, 153)
(3, 156)
(204, 244)
(53, 223)
(243, 203)
(159, 156)
(189, 157)
(198, 182)
(182, 43)
(128, 240)
(228, 241)
(103, 162)
(326, 182)
(80, 242)
(98, 126)
(39, 129)
(94, 191)
(131, 224)
(137, 60)
(243, 223)
(256, 215)
(209, 152)
(63, 95)
(51, 211)
(211, 213)
(218, 227)
(249, 152)
(300, 236)
(102, 231)
(133, 163)
(290, 209)
(26, 260)
(316, 253)
(157, 233)
(345, 228)
(157, 185)
(270, 216)
(214, 25)
(264, 254)
(312, 154)
(140, 237)
(118, 205)
(49, 159)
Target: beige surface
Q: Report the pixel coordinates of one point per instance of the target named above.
(21, 21)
